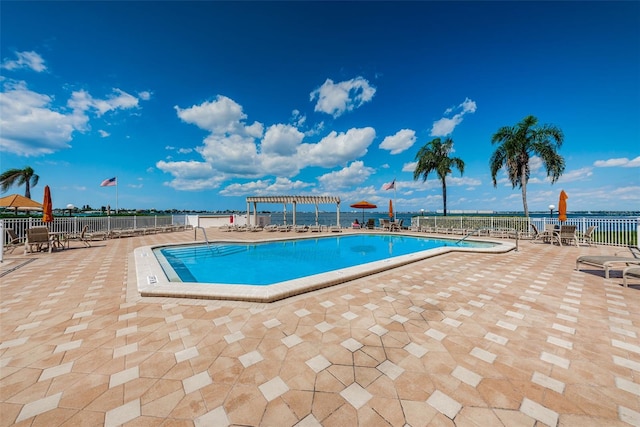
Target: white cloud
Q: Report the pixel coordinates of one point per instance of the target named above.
(574, 175)
(234, 150)
(145, 95)
(265, 187)
(104, 133)
(30, 60)
(191, 175)
(623, 162)
(30, 124)
(117, 100)
(401, 141)
(354, 174)
(409, 167)
(445, 126)
(337, 98)
(282, 140)
(338, 148)
(222, 116)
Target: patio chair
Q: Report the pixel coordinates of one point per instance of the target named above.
(37, 239)
(371, 224)
(607, 262)
(82, 237)
(549, 234)
(567, 234)
(587, 236)
(630, 272)
(12, 241)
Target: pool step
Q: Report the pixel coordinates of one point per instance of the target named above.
(221, 250)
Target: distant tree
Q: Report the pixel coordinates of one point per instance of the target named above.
(24, 176)
(517, 144)
(434, 157)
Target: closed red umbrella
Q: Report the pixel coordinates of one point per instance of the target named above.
(47, 206)
(390, 209)
(562, 207)
(363, 204)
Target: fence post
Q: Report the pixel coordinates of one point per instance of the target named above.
(638, 233)
(1, 239)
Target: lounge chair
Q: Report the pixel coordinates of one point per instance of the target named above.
(371, 224)
(633, 271)
(12, 241)
(37, 239)
(606, 262)
(82, 237)
(587, 236)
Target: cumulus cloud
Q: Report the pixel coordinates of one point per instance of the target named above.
(337, 148)
(239, 151)
(32, 125)
(446, 125)
(338, 98)
(25, 60)
(265, 187)
(104, 133)
(401, 141)
(354, 174)
(619, 162)
(282, 140)
(574, 175)
(191, 175)
(222, 116)
(117, 100)
(409, 167)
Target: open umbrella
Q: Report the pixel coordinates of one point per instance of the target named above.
(47, 207)
(390, 209)
(19, 202)
(562, 206)
(363, 204)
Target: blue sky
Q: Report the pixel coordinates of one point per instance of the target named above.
(197, 105)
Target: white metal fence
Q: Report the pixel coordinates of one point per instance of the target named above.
(613, 231)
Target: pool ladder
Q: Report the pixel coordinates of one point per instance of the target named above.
(204, 233)
(216, 249)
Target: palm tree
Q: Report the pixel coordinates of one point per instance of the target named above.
(24, 176)
(518, 143)
(434, 157)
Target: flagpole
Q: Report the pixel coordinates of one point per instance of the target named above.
(116, 195)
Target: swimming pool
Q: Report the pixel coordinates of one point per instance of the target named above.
(283, 267)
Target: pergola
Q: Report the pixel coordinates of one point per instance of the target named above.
(293, 200)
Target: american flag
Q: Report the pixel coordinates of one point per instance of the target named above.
(109, 182)
(390, 186)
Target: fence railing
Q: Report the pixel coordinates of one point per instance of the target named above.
(97, 224)
(609, 231)
(612, 231)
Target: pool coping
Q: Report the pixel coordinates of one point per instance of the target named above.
(153, 282)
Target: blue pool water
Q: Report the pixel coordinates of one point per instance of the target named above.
(277, 261)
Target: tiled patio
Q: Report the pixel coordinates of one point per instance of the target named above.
(520, 339)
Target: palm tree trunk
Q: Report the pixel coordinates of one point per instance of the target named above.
(523, 180)
(444, 196)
